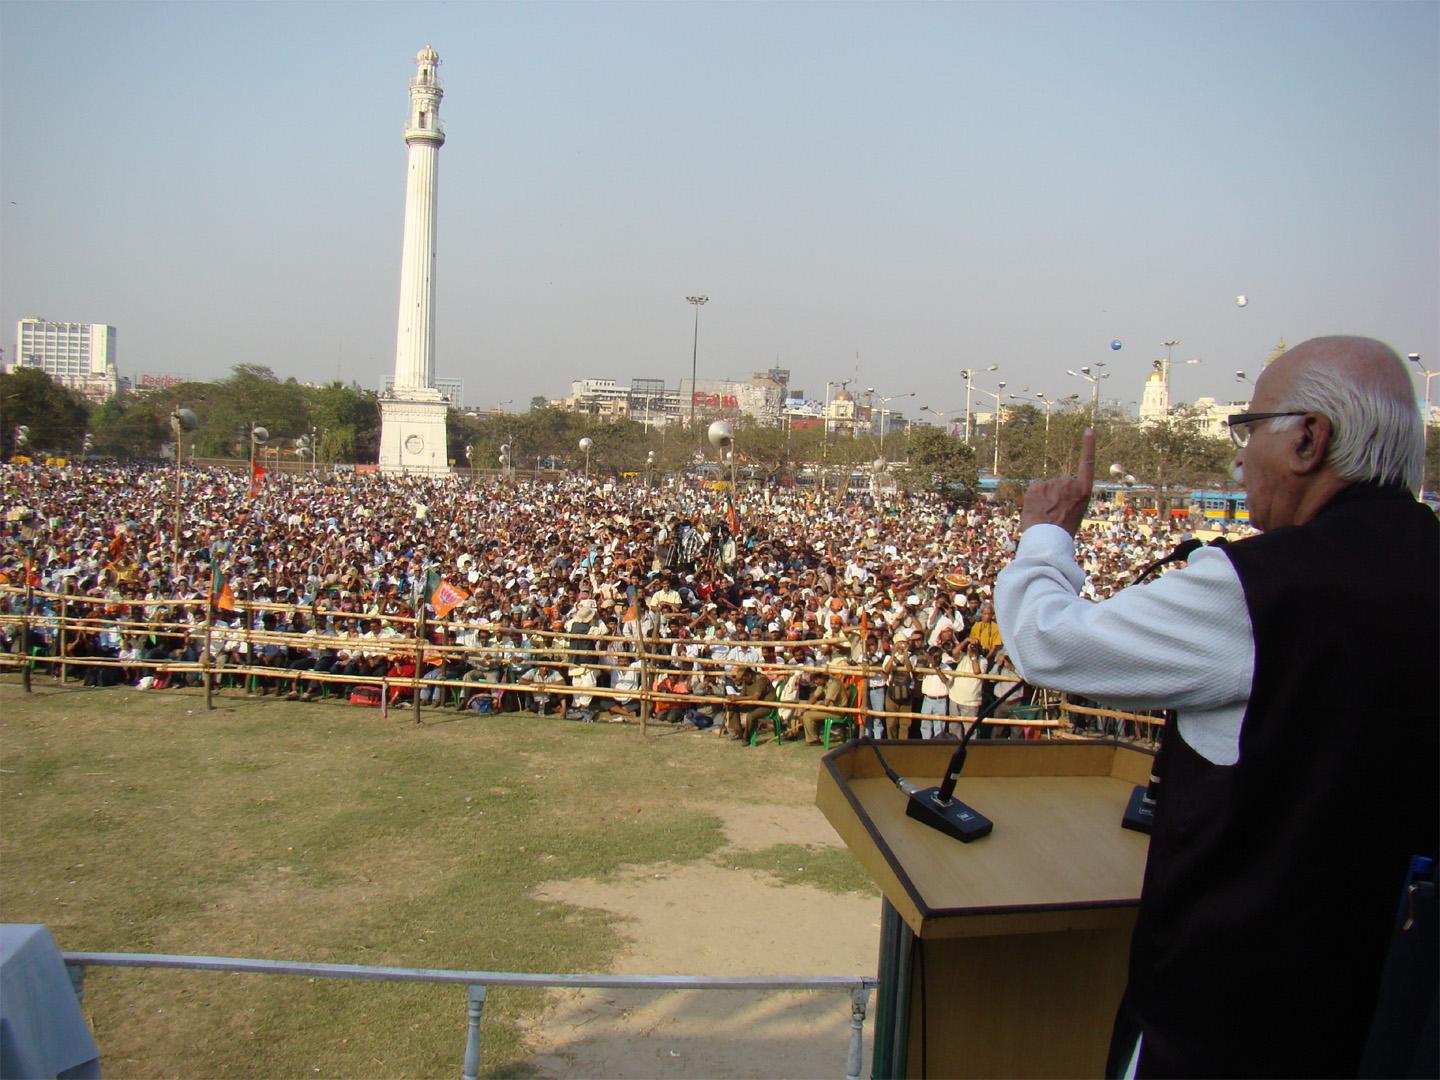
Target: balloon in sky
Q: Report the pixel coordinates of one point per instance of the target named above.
(1241, 300)
(1115, 344)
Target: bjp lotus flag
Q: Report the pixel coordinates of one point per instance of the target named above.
(443, 596)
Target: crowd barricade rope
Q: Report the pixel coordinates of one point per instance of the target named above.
(73, 617)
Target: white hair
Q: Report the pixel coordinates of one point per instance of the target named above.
(1375, 436)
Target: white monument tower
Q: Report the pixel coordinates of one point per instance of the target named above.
(412, 413)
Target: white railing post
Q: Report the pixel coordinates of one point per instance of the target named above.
(474, 1008)
(859, 998)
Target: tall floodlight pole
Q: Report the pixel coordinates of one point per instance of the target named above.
(970, 374)
(697, 301)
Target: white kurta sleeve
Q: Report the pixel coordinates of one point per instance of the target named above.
(1182, 642)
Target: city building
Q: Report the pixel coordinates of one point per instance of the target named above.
(453, 390)
(80, 356)
(1212, 415)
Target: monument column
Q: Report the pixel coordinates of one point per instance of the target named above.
(413, 412)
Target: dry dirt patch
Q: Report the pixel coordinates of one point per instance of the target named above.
(707, 918)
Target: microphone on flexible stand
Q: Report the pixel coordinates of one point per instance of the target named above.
(937, 806)
(1183, 551)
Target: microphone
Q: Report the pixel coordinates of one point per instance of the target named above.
(1182, 551)
(936, 806)
(1140, 810)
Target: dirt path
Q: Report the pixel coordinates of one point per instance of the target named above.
(707, 918)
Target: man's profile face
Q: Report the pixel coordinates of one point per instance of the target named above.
(1263, 456)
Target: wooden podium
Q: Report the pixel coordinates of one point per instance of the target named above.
(1005, 957)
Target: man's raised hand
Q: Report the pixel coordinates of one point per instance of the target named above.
(1063, 500)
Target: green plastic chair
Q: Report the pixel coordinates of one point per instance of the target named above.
(774, 718)
(845, 720)
(1020, 714)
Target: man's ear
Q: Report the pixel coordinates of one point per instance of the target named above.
(1312, 444)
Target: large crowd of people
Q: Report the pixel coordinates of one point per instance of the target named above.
(781, 599)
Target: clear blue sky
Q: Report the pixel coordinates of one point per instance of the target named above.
(928, 186)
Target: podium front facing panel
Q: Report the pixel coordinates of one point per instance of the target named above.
(1021, 938)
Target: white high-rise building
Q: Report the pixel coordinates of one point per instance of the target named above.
(80, 356)
(412, 413)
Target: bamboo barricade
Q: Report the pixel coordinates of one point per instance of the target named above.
(540, 648)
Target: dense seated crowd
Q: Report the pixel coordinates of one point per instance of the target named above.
(785, 602)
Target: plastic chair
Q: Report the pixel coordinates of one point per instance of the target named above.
(844, 720)
(1033, 713)
(774, 718)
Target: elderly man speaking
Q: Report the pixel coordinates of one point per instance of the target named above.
(1301, 774)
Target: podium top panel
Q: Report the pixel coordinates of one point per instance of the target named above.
(1057, 859)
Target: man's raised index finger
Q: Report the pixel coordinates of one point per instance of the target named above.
(1087, 459)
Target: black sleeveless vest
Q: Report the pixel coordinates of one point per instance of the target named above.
(1272, 884)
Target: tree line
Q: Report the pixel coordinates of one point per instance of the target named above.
(344, 423)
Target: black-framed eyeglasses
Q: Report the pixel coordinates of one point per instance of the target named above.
(1240, 424)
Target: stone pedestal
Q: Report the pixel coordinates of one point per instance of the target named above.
(413, 433)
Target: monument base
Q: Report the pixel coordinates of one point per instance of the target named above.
(413, 434)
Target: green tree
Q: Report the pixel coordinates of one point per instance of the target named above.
(56, 416)
(1170, 456)
(127, 428)
(942, 464)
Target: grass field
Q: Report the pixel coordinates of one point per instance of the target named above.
(139, 822)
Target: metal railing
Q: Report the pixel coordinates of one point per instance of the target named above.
(478, 982)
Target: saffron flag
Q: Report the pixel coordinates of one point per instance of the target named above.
(734, 522)
(443, 596)
(257, 474)
(225, 598)
(632, 613)
(221, 595)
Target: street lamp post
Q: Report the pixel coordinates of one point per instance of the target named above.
(697, 301)
(942, 415)
(995, 469)
(884, 411)
(1094, 380)
(585, 444)
(970, 374)
(1425, 420)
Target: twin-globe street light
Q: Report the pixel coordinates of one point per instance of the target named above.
(995, 469)
(970, 374)
(1094, 380)
(884, 410)
(942, 415)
